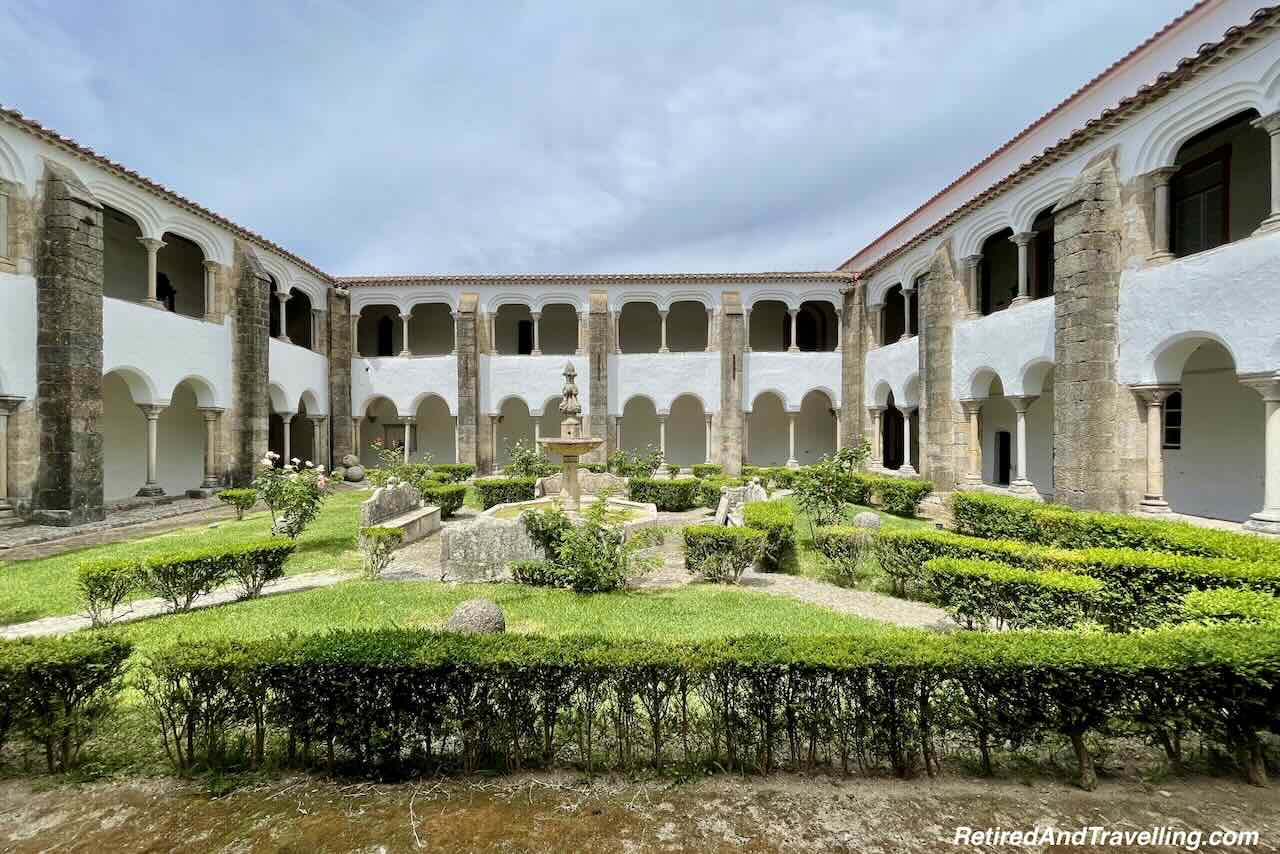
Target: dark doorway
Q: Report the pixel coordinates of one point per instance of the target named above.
(165, 294)
(524, 337)
(386, 329)
(1004, 457)
(891, 437)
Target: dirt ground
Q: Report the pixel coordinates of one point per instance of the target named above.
(554, 813)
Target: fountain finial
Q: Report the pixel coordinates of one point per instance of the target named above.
(570, 408)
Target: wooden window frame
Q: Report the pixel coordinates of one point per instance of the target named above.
(1221, 154)
(1165, 427)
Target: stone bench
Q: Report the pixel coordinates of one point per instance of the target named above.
(400, 506)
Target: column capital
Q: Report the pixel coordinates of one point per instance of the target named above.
(406, 315)
(210, 266)
(663, 312)
(152, 244)
(876, 410)
(317, 311)
(1162, 176)
(1154, 394)
(287, 417)
(707, 417)
(1270, 123)
(1266, 385)
(664, 415)
(152, 410)
(971, 261)
(1021, 402)
(536, 315)
(907, 410)
(9, 402)
(972, 405)
(1022, 238)
(211, 412)
(283, 296)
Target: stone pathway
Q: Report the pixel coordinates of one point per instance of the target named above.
(36, 541)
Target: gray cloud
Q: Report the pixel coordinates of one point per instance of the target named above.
(514, 137)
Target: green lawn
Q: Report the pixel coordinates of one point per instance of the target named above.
(806, 560)
(46, 587)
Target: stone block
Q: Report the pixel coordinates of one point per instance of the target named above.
(481, 549)
(388, 502)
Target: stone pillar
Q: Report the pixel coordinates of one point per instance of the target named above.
(906, 467)
(408, 438)
(875, 314)
(942, 429)
(711, 316)
(248, 420)
(906, 314)
(1023, 240)
(405, 352)
(152, 413)
(795, 345)
(973, 477)
(1266, 520)
(839, 329)
(537, 333)
(537, 429)
(318, 331)
(662, 319)
(286, 419)
(617, 430)
(791, 440)
(852, 364)
(597, 418)
(68, 400)
(8, 403)
(707, 419)
(468, 361)
(1154, 397)
(973, 285)
(355, 335)
(1162, 214)
(746, 340)
(1097, 465)
(1271, 124)
(662, 435)
(153, 246)
(835, 413)
(877, 451)
(493, 333)
(357, 422)
(283, 298)
(733, 338)
(343, 438)
(210, 291)
(1020, 481)
(319, 446)
(616, 319)
(211, 418)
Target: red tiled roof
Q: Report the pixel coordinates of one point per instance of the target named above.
(589, 278)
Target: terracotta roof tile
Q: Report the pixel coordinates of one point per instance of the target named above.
(590, 278)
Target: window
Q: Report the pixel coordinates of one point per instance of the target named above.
(1172, 427)
(385, 332)
(524, 337)
(1200, 200)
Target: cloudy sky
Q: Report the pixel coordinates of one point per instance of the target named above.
(559, 136)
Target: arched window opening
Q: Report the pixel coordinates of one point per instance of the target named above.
(816, 326)
(298, 319)
(1042, 255)
(165, 293)
(1221, 191)
(891, 435)
(770, 326)
(640, 328)
(894, 323)
(273, 309)
(687, 327)
(513, 330)
(999, 271)
(386, 336)
(180, 267)
(124, 260)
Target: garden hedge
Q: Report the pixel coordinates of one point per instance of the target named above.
(721, 553)
(1250, 606)
(447, 496)
(454, 472)
(845, 549)
(671, 496)
(709, 489)
(399, 701)
(777, 519)
(900, 496)
(982, 514)
(504, 490)
(701, 470)
(982, 594)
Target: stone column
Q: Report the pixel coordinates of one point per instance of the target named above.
(835, 413)
(906, 467)
(707, 419)
(1271, 124)
(973, 477)
(286, 418)
(211, 418)
(1154, 397)
(8, 403)
(493, 333)
(1266, 520)
(493, 442)
(356, 423)
(733, 422)
(711, 314)
(617, 429)
(152, 413)
(537, 429)
(408, 438)
(875, 315)
(616, 321)
(537, 333)
(319, 450)
(249, 417)
(852, 365)
(791, 440)
(283, 298)
(466, 338)
(453, 323)
(405, 352)
(795, 345)
(1023, 240)
(973, 281)
(596, 419)
(1162, 214)
(662, 435)
(1021, 483)
(877, 449)
(343, 439)
(355, 335)
(839, 330)
(210, 290)
(153, 246)
(906, 314)
(662, 316)
(317, 329)
(746, 339)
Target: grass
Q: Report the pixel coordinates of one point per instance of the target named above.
(807, 562)
(47, 587)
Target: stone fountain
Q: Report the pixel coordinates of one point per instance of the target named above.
(570, 444)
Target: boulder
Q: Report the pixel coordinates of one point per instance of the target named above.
(477, 617)
(353, 474)
(350, 460)
(479, 550)
(867, 519)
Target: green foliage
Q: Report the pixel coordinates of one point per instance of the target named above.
(820, 491)
(293, 493)
(528, 461)
(241, 499)
(777, 519)
(504, 490)
(254, 564)
(981, 594)
(709, 489)
(180, 577)
(900, 496)
(701, 470)
(594, 468)
(547, 528)
(667, 495)
(540, 573)
(852, 458)
(447, 496)
(56, 690)
(377, 545)
(720, 553)
(1232, 605)
(594, 556)
(640, 464)
(845, 550)
(454, 472)
(104, 585)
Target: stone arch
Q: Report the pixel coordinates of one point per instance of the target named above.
(640, 325)
(910, 392)
(768, 392)
(279, 398)
(686, 430)
(142, 389)
(134, 205)
(1168, 358)
(200, 235)
(686, 325)
(431, 327)
(877, 292)
(379, 331)
(768, 428)
(787, 298)
(1036, 199)
(205, 393)
(1161, 146)
(180, 438)
(981, 229)
(180, 275)
(881, 394)
(298, 320)
(435, 431)
(310, 398)
(425, 397)
(815, 426)
(515, 426)
(124, 259)
(770, 323)
(1036, 376)
(379, 420)
(639, 424)
(982, 381)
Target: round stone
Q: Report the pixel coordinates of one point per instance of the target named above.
(354, 474)
(867, 519)
(477, 617)
(350, 460)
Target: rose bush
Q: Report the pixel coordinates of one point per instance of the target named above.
(292, 492)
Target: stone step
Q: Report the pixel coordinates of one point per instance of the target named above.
(11, 522)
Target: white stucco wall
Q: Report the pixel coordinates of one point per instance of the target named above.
(1007, 343)
(663, 377)
(1226, 294)
(405, 382)
(533, 379)
(792, 375)
(295, 371)
(161, 349)
(890, 368)
(18, 338)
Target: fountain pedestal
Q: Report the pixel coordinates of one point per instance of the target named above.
(570, 444)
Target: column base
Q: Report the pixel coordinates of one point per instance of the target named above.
(972, 315)
(284, 339)
(1020, 300)
(1153, 504)
(149, 492)
(971, 481)
(154, 303)
(1024, 487)
(664, 350)
(201, 492)
(535, 353)
(405, 354)
(793, 349)
(793, 464)
(1264, 522)
(1160, 257)
(1271, 223)
(907, 470)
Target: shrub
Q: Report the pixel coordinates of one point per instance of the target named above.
(845, 550)
(777, 477)
(56, 690)
(180, 577)
(447, 496)
(592, 557)
(105, 584)
(777, 519)
(719, 553)
(979, 593)
(528, 461)
(852, 458)
(709, 489)
(540, 573)
(377, 546)
(241, 499)
(256, 564)
(595, 468)
(820, 493)
(547, 528)
(641, 464)
(858, 488)
(702, 470)
(900, 495)
(454, 472)
(670, 496)
(1228, 605)
(293, 493)
(504, 490)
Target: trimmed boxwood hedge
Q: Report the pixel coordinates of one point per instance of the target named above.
(394, 702)
(672, 496)
(1250, 606)
(454, 472)
(504, 490)
(777, 519)
(701, 470)
(981, 594)
(721, 553)
(900, 496)
(709, 489)
(447, 496)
